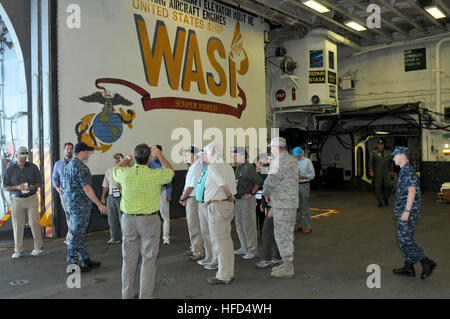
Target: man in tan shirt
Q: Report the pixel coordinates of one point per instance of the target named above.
(113, 189)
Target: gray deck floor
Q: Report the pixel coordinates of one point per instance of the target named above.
(329, 263)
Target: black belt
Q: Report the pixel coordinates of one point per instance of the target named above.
(303, 182)
(151, 214)
(24, 196)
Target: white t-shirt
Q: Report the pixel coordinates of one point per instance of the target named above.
(109, 181)
(219, 174)
(192, 176)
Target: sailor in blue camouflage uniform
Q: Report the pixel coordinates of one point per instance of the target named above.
(80, 195)
(407, 209)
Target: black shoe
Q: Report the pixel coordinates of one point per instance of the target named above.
(91, 264)
(407, 270)
(386, 202)
(380, 204)
(428, 266)
(84, 267)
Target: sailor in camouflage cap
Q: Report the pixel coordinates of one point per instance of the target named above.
(407, 209)
(281, 190)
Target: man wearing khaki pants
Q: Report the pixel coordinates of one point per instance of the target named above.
(23, 179)
(188, 200)
(248, 182)
(220, 188)
(141, 225)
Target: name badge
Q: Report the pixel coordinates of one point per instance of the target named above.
(116, 192)
(24, 191)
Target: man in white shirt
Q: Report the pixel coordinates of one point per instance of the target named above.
(220, 189)
(305, 175)
(113, 189)
(188, 200)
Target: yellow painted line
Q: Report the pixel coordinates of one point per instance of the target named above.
(328, 212)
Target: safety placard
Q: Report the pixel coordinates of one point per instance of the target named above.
(316, 77)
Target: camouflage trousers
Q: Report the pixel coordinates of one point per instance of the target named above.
(411, 251)
(284, 224)
(76, 250)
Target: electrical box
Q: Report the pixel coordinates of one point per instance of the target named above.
(347, 84)
(314, 81)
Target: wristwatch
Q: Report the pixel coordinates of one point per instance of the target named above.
(407, 210)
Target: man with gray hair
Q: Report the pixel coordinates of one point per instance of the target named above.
(220, 188)
(281, 190)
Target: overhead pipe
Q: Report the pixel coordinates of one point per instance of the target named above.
(402, 43)
(335, 37)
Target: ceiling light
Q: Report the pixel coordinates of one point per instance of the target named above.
(435, 12)
(382, 133)
(316, 6)
(355, 26)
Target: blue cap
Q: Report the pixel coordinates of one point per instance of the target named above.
(401, 150)
(297, 151)
(80, 147)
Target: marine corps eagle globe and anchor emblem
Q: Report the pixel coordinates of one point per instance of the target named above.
(107, 126)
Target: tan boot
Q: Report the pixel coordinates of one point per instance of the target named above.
(286, 270)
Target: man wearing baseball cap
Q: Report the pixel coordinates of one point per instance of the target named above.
(380, 164)
(187, 199)
(407, 208)
(281, 190)
(80, 196)
(22, 179)
(248, 182)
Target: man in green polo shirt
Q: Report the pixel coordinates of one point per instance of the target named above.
(141, 225)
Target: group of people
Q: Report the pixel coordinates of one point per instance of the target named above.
(214, 194)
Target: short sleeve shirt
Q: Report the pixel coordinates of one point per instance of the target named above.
(141, 187)
(200, 187)
(192, 177)
(219, 174)
(109, 182)
(407, 178)
(247, 178)
(14, 176)
(76, 176)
